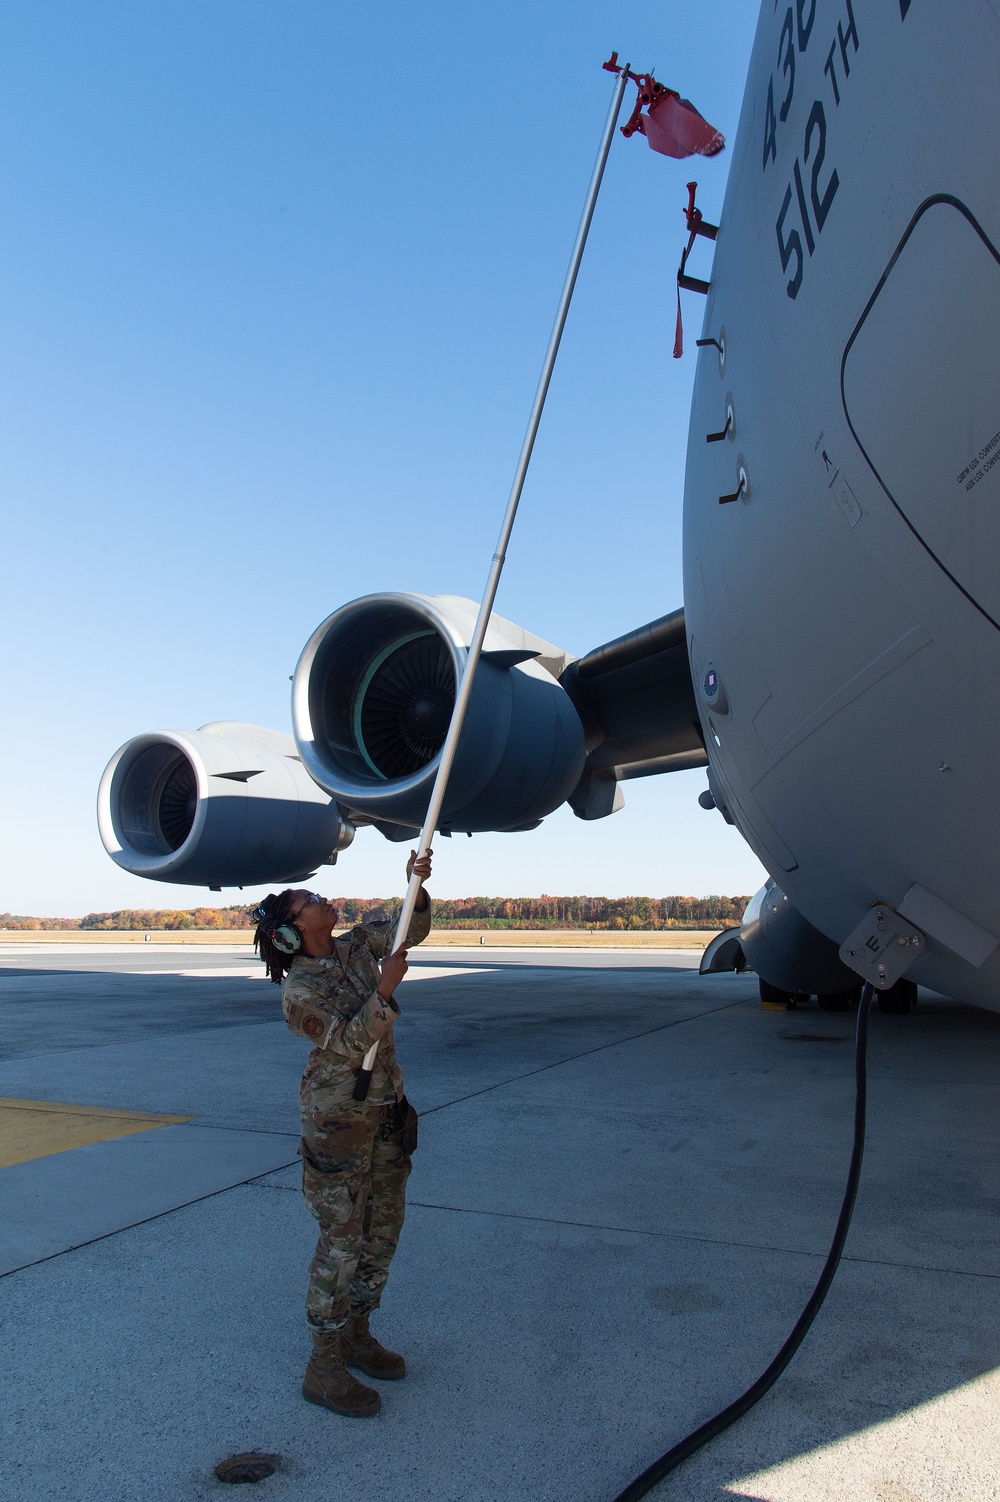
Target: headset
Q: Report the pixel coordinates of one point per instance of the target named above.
(284, 936)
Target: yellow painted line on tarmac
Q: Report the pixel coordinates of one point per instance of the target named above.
(38, 1128)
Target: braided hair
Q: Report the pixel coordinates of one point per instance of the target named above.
(275, 909)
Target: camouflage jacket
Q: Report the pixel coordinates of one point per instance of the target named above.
(341, 989)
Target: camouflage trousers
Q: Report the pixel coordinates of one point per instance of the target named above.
(355, 1165)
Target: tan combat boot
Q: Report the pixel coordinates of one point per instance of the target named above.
(362, 1350)
(328, 1382)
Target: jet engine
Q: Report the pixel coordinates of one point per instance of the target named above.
(372, 699)
(227, 805)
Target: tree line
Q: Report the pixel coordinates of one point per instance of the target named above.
(461, 912)
(562, 912)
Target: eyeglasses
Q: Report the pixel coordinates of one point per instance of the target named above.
(310, 897)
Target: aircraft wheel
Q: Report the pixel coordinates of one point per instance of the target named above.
(774, 997)
(840, 1001)
(900, 998)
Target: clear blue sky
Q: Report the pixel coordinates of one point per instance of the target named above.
(277, 280)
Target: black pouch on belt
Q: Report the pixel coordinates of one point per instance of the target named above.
(401, 1118)
(409, 1126)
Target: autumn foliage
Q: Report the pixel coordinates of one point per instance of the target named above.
(464, 912)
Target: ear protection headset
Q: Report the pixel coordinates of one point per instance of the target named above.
(284, 936)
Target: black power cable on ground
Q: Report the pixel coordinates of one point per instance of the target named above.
(701, 1436)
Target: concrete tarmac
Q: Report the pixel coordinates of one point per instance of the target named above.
(627, 1179)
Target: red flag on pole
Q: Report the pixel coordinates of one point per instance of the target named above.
(671, 125)
(674, 127)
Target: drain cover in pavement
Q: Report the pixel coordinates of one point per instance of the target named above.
(252, 1465)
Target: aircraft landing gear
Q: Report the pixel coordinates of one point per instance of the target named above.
(840, 1001)
(900, 998)
(776, 1000)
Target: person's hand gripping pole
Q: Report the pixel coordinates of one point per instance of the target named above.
(394, 967)
(483, 619)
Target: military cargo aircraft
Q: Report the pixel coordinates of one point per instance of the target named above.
(836, 663)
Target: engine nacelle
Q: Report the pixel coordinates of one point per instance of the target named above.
(227, 805)
(372, 699)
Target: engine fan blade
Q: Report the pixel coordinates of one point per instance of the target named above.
(406, 705)
(177, 803)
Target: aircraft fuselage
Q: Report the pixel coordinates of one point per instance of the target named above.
(843, 611)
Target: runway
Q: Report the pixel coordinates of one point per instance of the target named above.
(626, 1181)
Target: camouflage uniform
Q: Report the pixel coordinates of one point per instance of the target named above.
(355, 1155)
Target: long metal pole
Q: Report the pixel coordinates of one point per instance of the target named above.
(464, 693)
